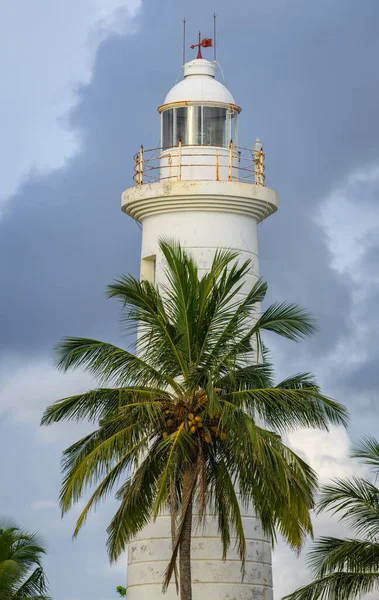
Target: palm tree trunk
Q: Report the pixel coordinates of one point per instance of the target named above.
(185, 542)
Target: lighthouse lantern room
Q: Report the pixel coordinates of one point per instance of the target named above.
(200, 188)
(199, 131)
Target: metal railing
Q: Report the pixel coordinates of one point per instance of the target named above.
(233, 163)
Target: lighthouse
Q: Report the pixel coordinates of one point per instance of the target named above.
(204, 190)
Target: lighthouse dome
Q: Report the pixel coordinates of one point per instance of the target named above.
(199, 110)
(199, 85)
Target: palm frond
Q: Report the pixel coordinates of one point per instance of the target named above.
(337, 586)
(246, 377)
(144, 308)
(223, 495)
(35, 586)
(285, 408)
(287, 320)
(181, 294)
(91, 459)
(355, 501)
(279, 483)
(97, 405)
(234, 339)
(108, 363)
(368, 451)
(299, 381)
(173, 444)
(331, 554)
(137, 497)
(110, 480)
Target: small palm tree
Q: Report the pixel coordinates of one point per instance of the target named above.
(190, 417)
(21, 572)
(348, 568)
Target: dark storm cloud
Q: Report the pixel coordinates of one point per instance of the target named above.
(369, 263)
(362, 379)
(63, 237)
(353, 377)
(365, 377)
(303, 73)
(308, 91)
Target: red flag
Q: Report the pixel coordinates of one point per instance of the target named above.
(206, 42)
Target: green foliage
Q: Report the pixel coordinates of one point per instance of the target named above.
(121, 590)
(348, 569)
(197, 400)
(21, 572)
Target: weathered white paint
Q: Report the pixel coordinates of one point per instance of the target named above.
(203, 216)
(196, 197)
(213, 578)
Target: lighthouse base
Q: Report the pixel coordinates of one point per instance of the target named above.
(212, 578)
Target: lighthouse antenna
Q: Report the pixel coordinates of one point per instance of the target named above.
(199, 55)
(184, 40)
(214, 36)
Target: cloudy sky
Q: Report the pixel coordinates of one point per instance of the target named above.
(81, 83)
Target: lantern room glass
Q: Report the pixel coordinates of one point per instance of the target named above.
(198, 125)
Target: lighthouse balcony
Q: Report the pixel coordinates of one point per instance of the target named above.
(200, 163)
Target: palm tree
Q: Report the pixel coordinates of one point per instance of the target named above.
(21, 572)
(190, 416)
(348, 568)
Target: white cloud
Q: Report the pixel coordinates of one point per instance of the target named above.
(27, 389)
(46, 49)
(349, 216)
(328, 454)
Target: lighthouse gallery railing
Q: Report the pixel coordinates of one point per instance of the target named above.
(233, 163)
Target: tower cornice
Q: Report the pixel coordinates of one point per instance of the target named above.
(142, 201)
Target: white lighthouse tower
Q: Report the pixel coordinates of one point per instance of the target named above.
(205, 191)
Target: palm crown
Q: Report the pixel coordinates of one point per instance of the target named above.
(194, 414)
(348, 568)
(21, 572)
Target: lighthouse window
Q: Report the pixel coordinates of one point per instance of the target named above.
(199, 125)
(167, 133)
(214, 126)
(181, 133)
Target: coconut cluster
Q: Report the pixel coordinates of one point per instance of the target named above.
(195, 419)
